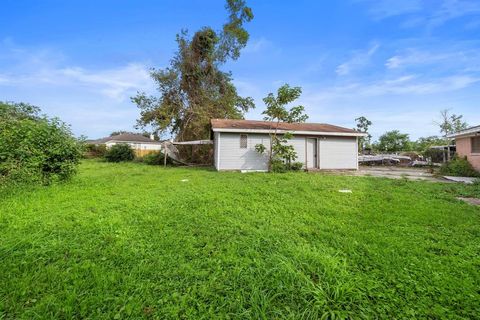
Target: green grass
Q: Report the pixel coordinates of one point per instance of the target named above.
(133, 241)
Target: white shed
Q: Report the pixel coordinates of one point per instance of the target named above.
(318, 145)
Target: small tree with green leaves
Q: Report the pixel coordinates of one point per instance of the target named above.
(362, 126)
(450, 123)
(281, 154)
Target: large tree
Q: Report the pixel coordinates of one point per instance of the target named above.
(193, 89)
(393, 141)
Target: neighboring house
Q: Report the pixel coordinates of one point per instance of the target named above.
(141, 144)
(468, 145)
(318, 146)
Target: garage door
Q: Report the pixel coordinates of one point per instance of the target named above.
(338, 153)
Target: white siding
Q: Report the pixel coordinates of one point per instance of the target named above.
(338, 153)
(298, 142)
(232, 157)
(333, 152)
(216, 141)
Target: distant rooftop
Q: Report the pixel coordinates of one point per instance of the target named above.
(124, 137)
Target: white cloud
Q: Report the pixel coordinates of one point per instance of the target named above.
(257, 45)
(381, 9)
(430, 14)
(451, 9)
(45, 68)
(95, 101)
(115, 83)
(455, 58)
(358, 60)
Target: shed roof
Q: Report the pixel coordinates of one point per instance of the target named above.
(230, 125)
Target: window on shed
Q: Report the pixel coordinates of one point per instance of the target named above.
(476, 145)
(243, 141)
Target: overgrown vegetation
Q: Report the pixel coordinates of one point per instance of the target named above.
(460, 167)
(34, 148)
(130, 241)
(193, 89)
(156, 158)
(281, 155)
(95, 150)
(120, 152)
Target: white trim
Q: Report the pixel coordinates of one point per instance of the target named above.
(316, 133)
(218, 153)
(356, 151)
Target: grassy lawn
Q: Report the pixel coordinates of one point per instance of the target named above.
(134, 241)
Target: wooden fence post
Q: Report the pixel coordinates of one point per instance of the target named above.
(164, 154)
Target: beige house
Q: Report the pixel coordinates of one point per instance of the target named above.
(468, 145)
(141, 144)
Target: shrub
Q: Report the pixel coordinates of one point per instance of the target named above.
(120, 152)
(459, 167)
(279, 166)
(296, 166)
(35, 149)
(95, 150)
(155, 158)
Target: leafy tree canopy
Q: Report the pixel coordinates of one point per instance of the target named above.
(393, 141)
(193, 89)
(424, 143)
(450, 123)
(281, 153)
(20, 110)
(363, 124)
(33, 148)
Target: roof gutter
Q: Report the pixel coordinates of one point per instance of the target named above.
(315, 133)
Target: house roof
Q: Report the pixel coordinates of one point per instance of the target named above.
(229, 125)
(125, 137)
(472, 131)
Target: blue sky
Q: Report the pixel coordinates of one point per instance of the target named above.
(396, 62)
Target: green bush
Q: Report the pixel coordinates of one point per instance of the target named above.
(35, 149)
(120, 152)
(279, 166)
(95, 150)
(296, 166)
(155, 158)
(459, 167)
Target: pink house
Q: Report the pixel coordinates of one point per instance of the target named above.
(468, 144)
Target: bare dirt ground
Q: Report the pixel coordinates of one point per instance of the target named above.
(472, 201)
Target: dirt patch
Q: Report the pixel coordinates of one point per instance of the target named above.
(409, 173)
(474, 201)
